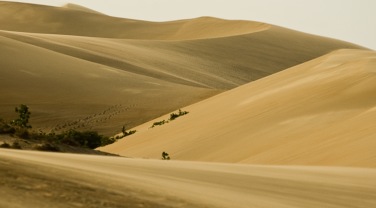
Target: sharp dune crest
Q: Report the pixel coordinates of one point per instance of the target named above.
(316, 113)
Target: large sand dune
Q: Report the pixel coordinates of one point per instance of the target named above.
(68, 180)
(69, 65)
(301, 136)
(321, 112)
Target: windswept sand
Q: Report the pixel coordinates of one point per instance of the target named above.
(301, 136)
(321, 112)
(75, 74)
(68, 180)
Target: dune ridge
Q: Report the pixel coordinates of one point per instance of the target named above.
(182, 62)
(68, 20)
(80, 8)
(316, 113)
(277, 118)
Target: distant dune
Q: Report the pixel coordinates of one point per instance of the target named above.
(277, 118)
(84, 70)
(321, 112)
(80, 8)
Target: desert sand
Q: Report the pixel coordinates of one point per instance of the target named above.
(74, 74)
(316, 113)
(277, 118)
(68, 180)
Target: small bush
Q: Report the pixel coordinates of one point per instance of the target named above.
(23, 117)
(158, 123)
(16, 145)
(129, 133)
(47, 147)
(22, 133)
(108, 140)
(4, 145)
(6, 128)
(165, 156)
(173, 116)
(88, 139)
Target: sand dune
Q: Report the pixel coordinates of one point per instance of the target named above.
(66, 180)
(69, 70)
(317, 113)
(75, 20)
(80, 8)
(301, 136)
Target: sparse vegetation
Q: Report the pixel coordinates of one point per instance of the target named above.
(108, 140)
(20, 128)
(173, 116)
(159, 123)
(127, 133)
(15, 145)
(47, 147)
(6, 128)
(5, 145)
(24, 114)
(165, 156)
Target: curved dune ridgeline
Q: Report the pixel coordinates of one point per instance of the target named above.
(269, 117)
(79, 21)
(70, 64)
(317, 113)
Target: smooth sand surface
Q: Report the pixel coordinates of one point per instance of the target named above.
(82, 70)
(68, 180)
(301, 136)
(317, 113)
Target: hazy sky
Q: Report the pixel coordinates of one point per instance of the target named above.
(349, 20)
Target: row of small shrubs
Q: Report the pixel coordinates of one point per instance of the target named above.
(86, 139)
(173, 116)
(20, 127)
(110, 140)
(14, 145)
(159, 123)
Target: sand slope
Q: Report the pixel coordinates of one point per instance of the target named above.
(82, 70)
(68, 180)
(317, 113)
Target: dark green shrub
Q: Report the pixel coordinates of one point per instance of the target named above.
(47, 147)
(158, 123)
(173, 116)
(108, 140)
(129, 133)
(4, 145)
(6, 128)
(165, 156)
(16, 145)
(125, 133)
(22, 133)
(24, 115)
(89, 139)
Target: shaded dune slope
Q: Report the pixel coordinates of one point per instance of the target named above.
(78, 69)
(317, 113)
